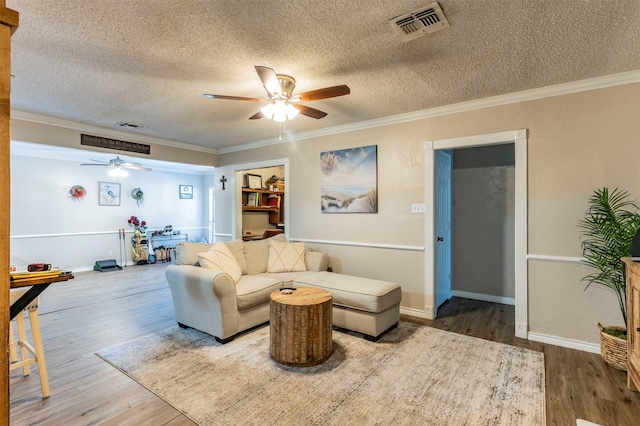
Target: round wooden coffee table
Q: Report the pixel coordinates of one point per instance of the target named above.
(301, 333)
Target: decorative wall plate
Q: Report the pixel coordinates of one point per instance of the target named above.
(77, 192)
(137, 195)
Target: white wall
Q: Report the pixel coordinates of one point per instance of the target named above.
(48, 226)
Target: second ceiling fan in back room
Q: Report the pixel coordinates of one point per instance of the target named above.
(281, 104)
(118, 166)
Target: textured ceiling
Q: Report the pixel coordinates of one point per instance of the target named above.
(102, 62)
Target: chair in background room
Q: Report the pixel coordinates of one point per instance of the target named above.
(268, 233)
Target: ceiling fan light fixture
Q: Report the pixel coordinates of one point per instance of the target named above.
(279, 110)
(279, 89)
(291, 111)
(118, 172)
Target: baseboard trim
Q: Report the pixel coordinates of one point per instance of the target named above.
(535, 337)
(552, 258)
(413, 312)
(564, 342)
(485, 297)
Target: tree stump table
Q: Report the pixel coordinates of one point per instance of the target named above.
(301, 326)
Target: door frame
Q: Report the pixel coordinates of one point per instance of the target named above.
(519, 139)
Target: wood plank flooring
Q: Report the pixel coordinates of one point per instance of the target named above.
(96, 310)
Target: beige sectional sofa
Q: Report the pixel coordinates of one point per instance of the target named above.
(224, 288)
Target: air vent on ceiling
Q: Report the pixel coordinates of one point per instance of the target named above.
(127, 125)
(420, 22)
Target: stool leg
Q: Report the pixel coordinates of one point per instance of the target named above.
(22, 338)
(12, 343)
(37, 343)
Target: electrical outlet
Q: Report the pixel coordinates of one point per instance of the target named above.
(417, 208)
(110, 253)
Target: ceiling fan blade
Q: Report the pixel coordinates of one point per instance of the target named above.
(136, 166)
(269, 80)
(232, 98)
(310, 112)
(325, 93)
(91, 164)
(256, 116)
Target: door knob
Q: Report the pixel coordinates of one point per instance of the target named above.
(440, 239)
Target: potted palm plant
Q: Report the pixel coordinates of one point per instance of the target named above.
(609, 225)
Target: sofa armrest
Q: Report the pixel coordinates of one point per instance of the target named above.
(316, 261)
(204, 299)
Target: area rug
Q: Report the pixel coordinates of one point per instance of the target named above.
(413, 375)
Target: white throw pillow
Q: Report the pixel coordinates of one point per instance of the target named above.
(220, 257)
(256, 254)
(286, 257)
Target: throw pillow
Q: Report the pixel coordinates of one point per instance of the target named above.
(220, 257)
(187, 252)
(236, 249)
(256, 254)
(286, 257)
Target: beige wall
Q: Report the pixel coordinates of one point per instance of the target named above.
(28, 131)
(577, 142)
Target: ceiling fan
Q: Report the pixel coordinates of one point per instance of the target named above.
(281, 105)
(117, 163)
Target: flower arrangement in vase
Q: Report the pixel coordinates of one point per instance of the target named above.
(139, 226)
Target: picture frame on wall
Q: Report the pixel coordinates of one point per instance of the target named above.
(186, 192)
(349, 182)
(108, 194)
(253, 181)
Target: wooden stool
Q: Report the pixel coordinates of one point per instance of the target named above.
(26, 348)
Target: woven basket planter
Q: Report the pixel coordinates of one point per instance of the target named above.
(613, 349)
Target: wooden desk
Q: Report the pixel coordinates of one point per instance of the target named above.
(38, 285)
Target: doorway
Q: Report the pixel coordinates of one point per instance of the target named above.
(262, 200)
(481, 257)
(519, 140)
(238, 227)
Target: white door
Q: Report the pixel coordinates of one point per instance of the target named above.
(442, 210)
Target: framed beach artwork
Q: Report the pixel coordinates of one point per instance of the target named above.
(350, 180)
(109, 194)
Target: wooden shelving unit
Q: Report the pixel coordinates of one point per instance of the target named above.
(258, 200)
(633, 324)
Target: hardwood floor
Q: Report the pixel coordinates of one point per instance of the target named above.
(96, 310)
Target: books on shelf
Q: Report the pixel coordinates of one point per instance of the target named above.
(273, 201)
(253, 199)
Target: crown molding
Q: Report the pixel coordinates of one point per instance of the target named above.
(106, 132)
(510, 98)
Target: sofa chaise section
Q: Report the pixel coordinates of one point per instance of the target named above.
(365, 305)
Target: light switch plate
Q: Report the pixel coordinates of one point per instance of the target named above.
(417, 208)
